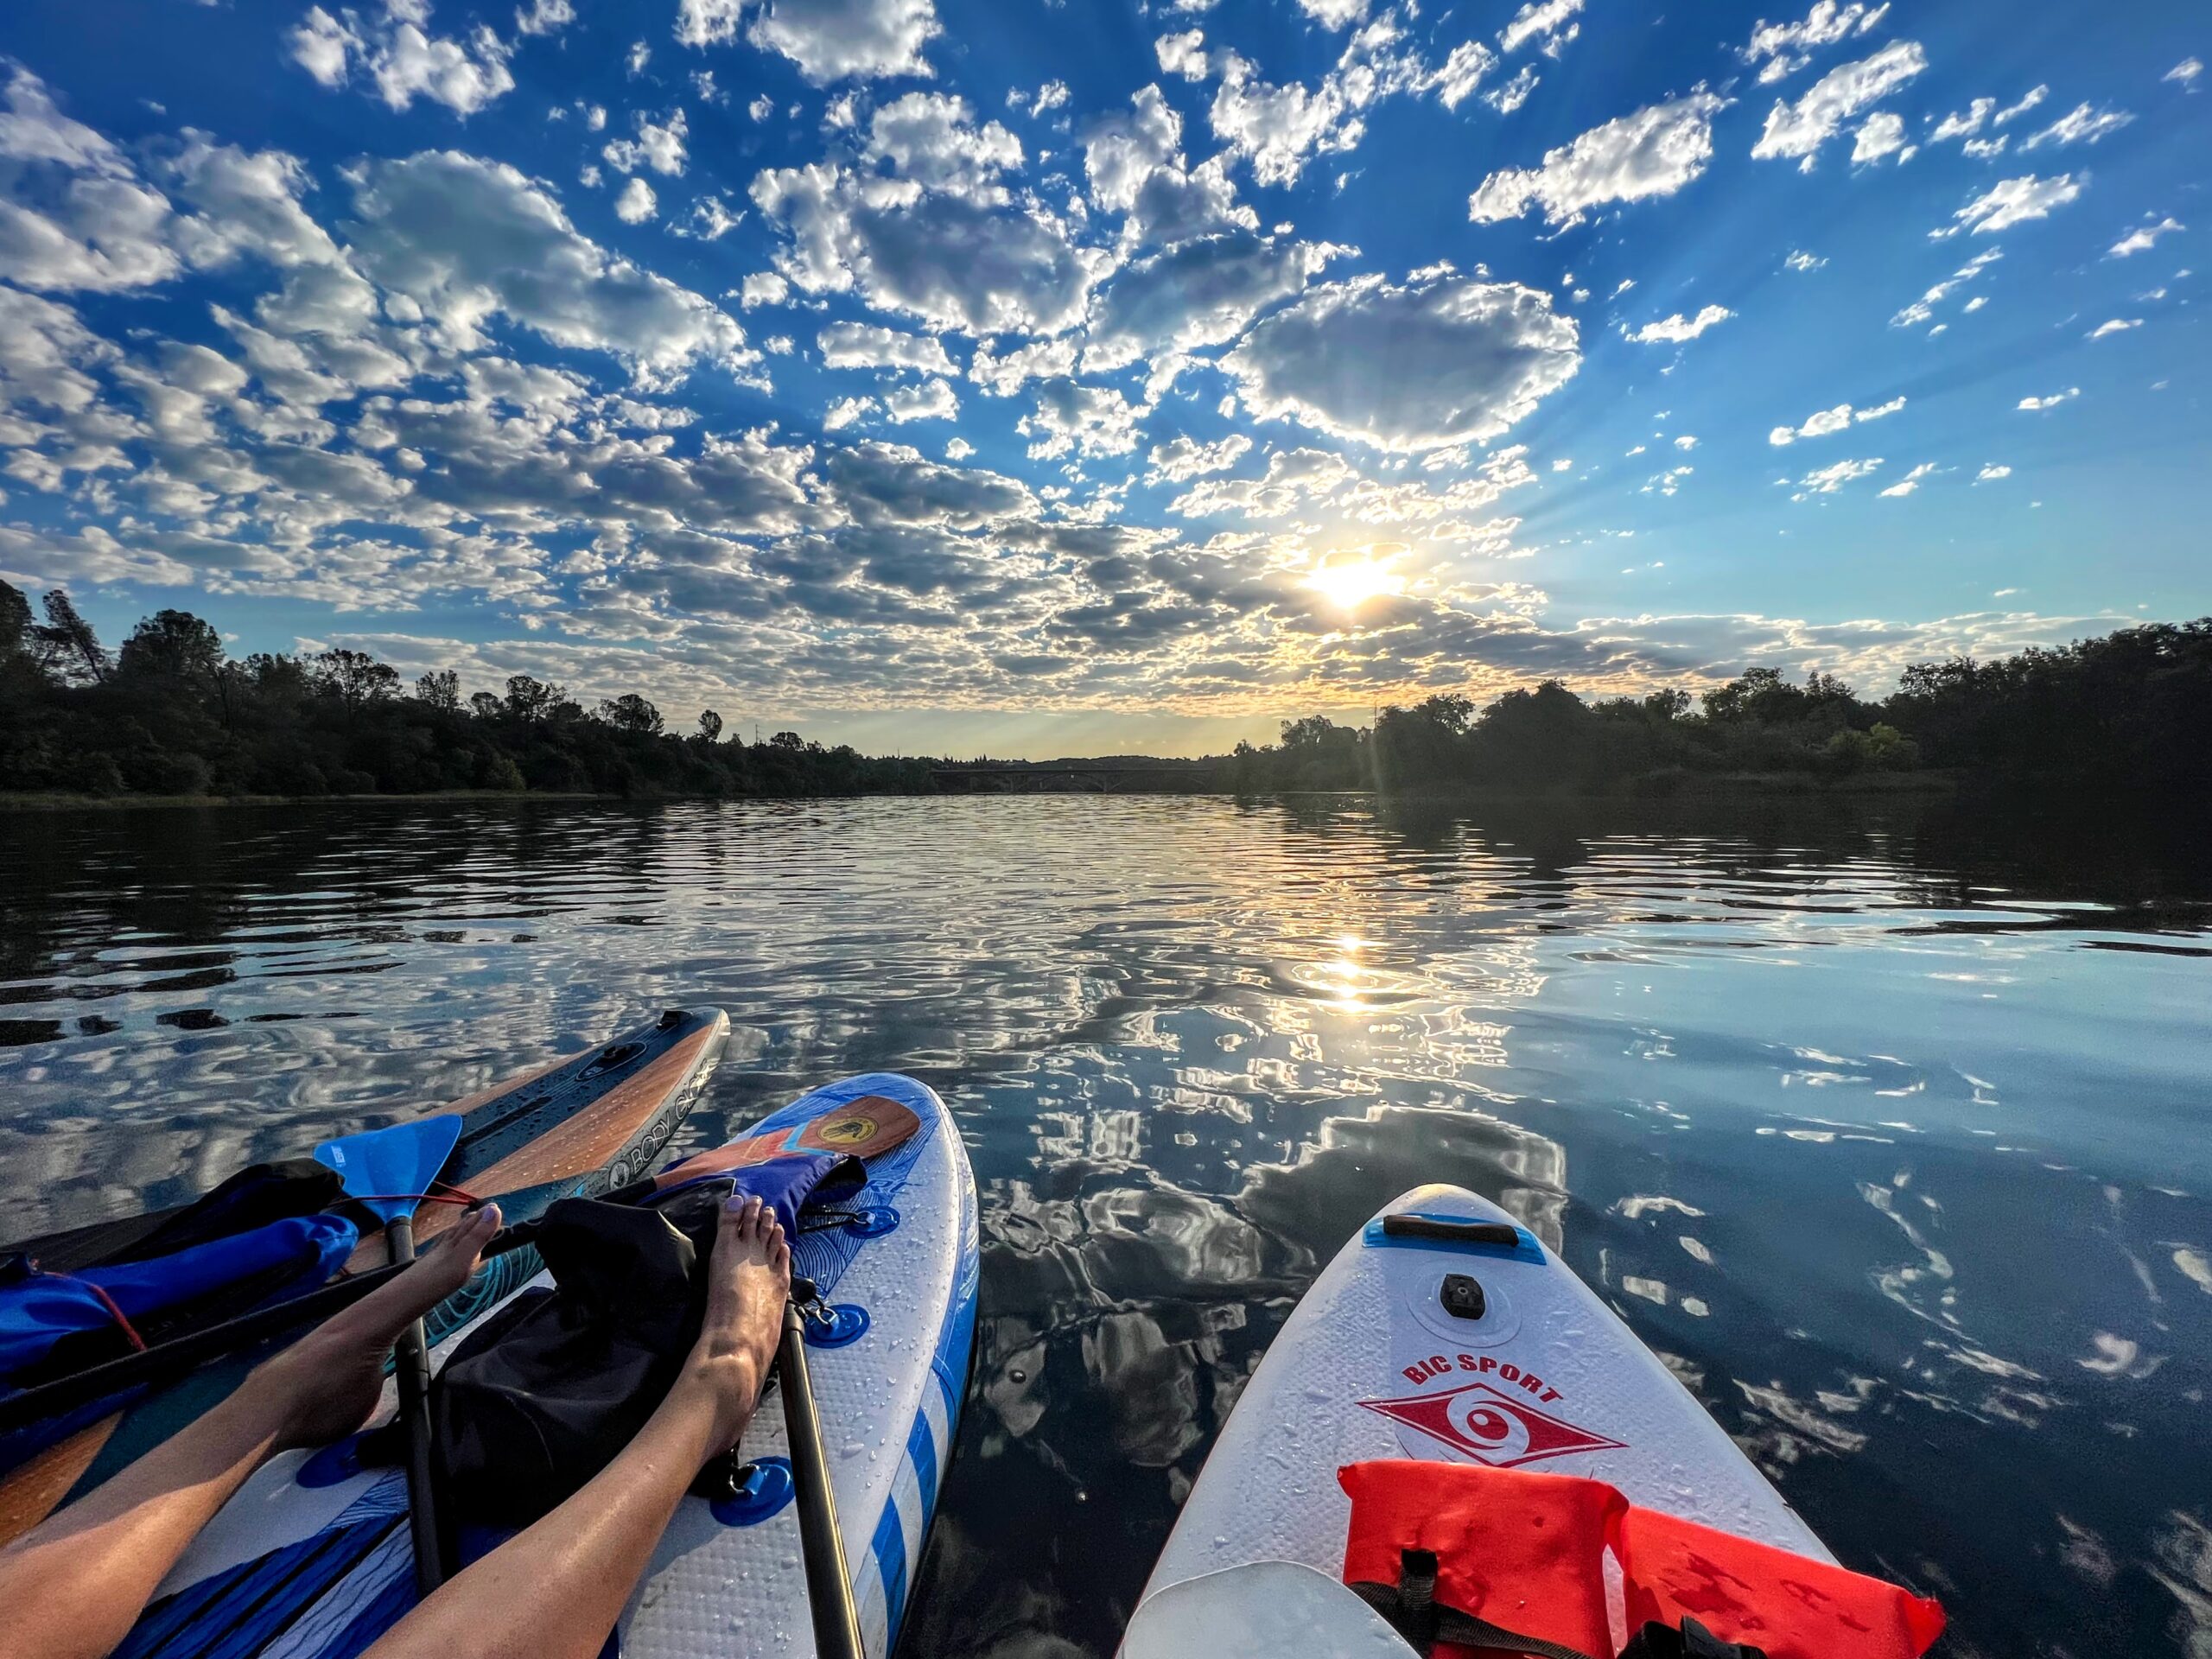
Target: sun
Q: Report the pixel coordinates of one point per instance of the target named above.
(1350, 583)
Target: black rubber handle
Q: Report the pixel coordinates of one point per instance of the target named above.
(1451, 1233)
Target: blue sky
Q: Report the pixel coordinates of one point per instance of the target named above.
(1049, 378)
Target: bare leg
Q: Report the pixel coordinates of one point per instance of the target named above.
(73, 1585)
(554, 1590)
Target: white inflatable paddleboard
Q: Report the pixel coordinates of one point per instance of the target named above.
(312, 1561)
(1387, 1357)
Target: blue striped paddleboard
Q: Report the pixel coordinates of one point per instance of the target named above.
(311, 1560)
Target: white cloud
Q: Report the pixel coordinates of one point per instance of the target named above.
(1799, 260)
(1069, 417)
(1911, 480)
(2185, 73)
(1463, 70)
(1828, 480)
(405, 62)
(829, 40)
(763, 288)
(2143, 238)
(869, 346)
(1511, 95)
(1826, 421)
(1134, 161)
(2080, 125)
(1881, 134)
(636, 203)
(1678, 328)
(2114, 326)
(847, 411)
(1183, 459)
(1797, 130)
(1963, 124)
(1052, 95)
(2029, 100)
(1539, 20)
(1992, 472)
(1924, 308)
(959, 448)
(932, 400)
(1654, 152)
(1407, 369)
(2013, 202)
(468, 240)
(639, 55)
(1789, 47)
(962, 262)
(710, 220)
(1183, 53)
(1333, 14)
(929, 138)
(544, 17)
(2052, 402)
(1200, 293)
(658, 146)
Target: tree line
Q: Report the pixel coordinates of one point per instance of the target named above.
(2129, 711)
(171, 712)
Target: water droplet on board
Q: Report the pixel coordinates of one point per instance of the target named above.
(1018, 1374)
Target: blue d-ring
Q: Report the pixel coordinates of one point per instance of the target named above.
(838, 1323)
(763, 1492)
(339, 1461)
(874, 1222)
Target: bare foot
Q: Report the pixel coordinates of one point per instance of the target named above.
(326, 1384)
(749, 1280)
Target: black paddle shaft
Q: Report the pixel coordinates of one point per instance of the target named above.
(829, 1592)
(412, 1370)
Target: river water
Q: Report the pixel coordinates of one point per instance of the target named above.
(1887, 1127)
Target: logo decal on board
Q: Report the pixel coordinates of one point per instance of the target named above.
(1478, 1422)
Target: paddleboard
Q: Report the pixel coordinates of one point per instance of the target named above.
(311, 1560)
(581, 1124)
(1385, 1356)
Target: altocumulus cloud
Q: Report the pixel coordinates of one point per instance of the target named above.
(1407, 368)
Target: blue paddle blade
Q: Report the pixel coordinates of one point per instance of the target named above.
(403, 1158)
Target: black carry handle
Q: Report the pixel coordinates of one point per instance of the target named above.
(1445, 1231)
(829, 1592)
(166, 1361)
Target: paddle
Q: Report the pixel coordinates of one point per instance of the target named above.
(383, 1169)
(829, 1592)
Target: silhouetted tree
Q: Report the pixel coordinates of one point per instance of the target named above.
(631, 713)
(71, 649)
(710, 727)
(440, 689)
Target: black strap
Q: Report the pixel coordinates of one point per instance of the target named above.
(1691, 1641)
(1410, 1608)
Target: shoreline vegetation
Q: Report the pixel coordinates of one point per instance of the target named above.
(170, 719)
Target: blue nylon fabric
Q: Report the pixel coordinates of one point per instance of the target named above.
(786, 1184)
(38, 1311)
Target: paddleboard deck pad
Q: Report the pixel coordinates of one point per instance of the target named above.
(1445, 1331)
(578, 1126)
(312, 1559)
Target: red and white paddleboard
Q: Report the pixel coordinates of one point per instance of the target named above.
(1446, 1330)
